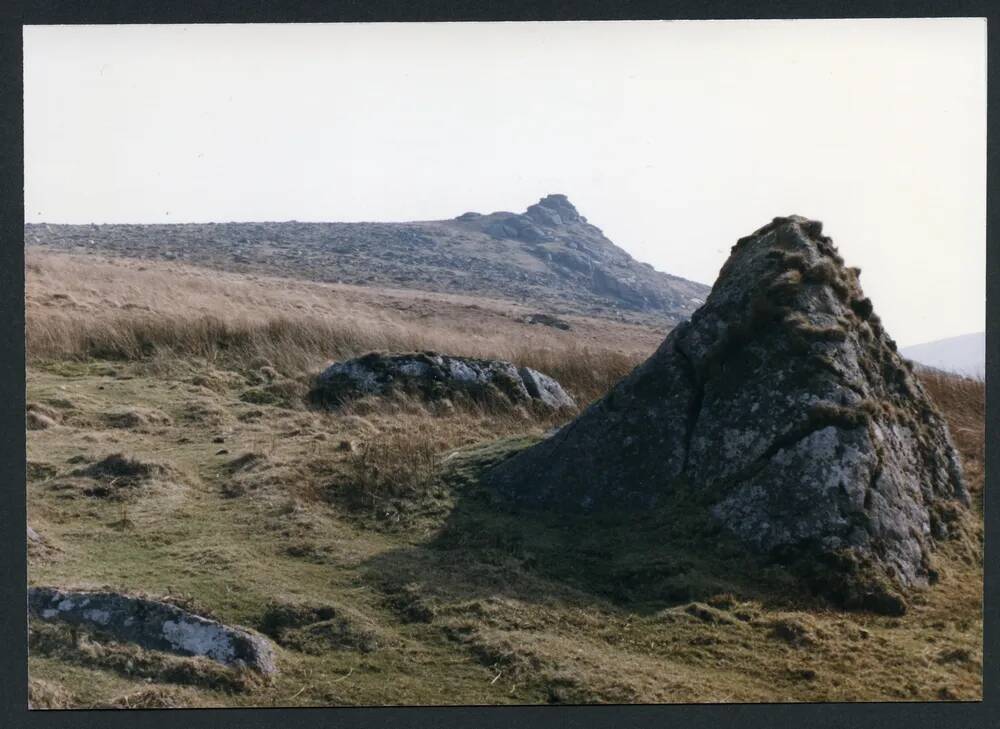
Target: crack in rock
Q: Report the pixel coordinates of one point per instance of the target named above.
(434, 377)
(786, 337)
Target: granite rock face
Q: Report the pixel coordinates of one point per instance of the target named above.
(432, 376)
(783, 403)
(155, 625)
(555, 233)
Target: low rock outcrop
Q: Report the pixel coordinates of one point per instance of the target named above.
(154, 625)
(549, 321)
(783, 407)
(433, 376)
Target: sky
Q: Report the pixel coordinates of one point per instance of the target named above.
(675, 138)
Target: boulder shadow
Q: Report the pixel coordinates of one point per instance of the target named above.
(639, 561)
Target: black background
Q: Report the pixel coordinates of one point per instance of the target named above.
(13, 578)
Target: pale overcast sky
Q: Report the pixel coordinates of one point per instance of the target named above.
(676, 138)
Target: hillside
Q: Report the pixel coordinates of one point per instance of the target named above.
(548, 257)
(964, 355)
(356, 539)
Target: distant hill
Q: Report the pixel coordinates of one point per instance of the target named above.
(549, 257)
(964, 355)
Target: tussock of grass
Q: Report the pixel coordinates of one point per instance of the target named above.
(134, 418)
(397, 464)
(122, 468)
(118, 477)
(315, 629)
(40, 470)
(293, 344)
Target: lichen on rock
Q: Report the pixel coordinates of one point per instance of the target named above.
(154, 624)
(784, 405)
(433, 377)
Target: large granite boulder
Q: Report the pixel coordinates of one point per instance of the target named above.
(155, 625)
(432, 376)
(784, 406)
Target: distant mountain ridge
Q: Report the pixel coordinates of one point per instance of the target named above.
(548, 256)
(964, 355)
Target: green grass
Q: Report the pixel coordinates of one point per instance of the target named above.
(471, 602)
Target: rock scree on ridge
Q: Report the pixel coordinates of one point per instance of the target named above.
(783, 404)
(547, 256)
(433, 376)
(155, 625)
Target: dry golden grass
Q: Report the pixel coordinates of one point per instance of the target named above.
(145, 312)
(398, 464)
(474, 605)
(298, 346)
(962, 400)
(392, 458)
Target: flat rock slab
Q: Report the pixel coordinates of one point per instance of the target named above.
(155, 625)
(432, 376)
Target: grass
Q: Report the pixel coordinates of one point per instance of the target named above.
(293, 328)
(439, 596)
(293, 347)
(963, 402)
(397, 465)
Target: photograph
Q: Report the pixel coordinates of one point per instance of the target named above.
(504, 363)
